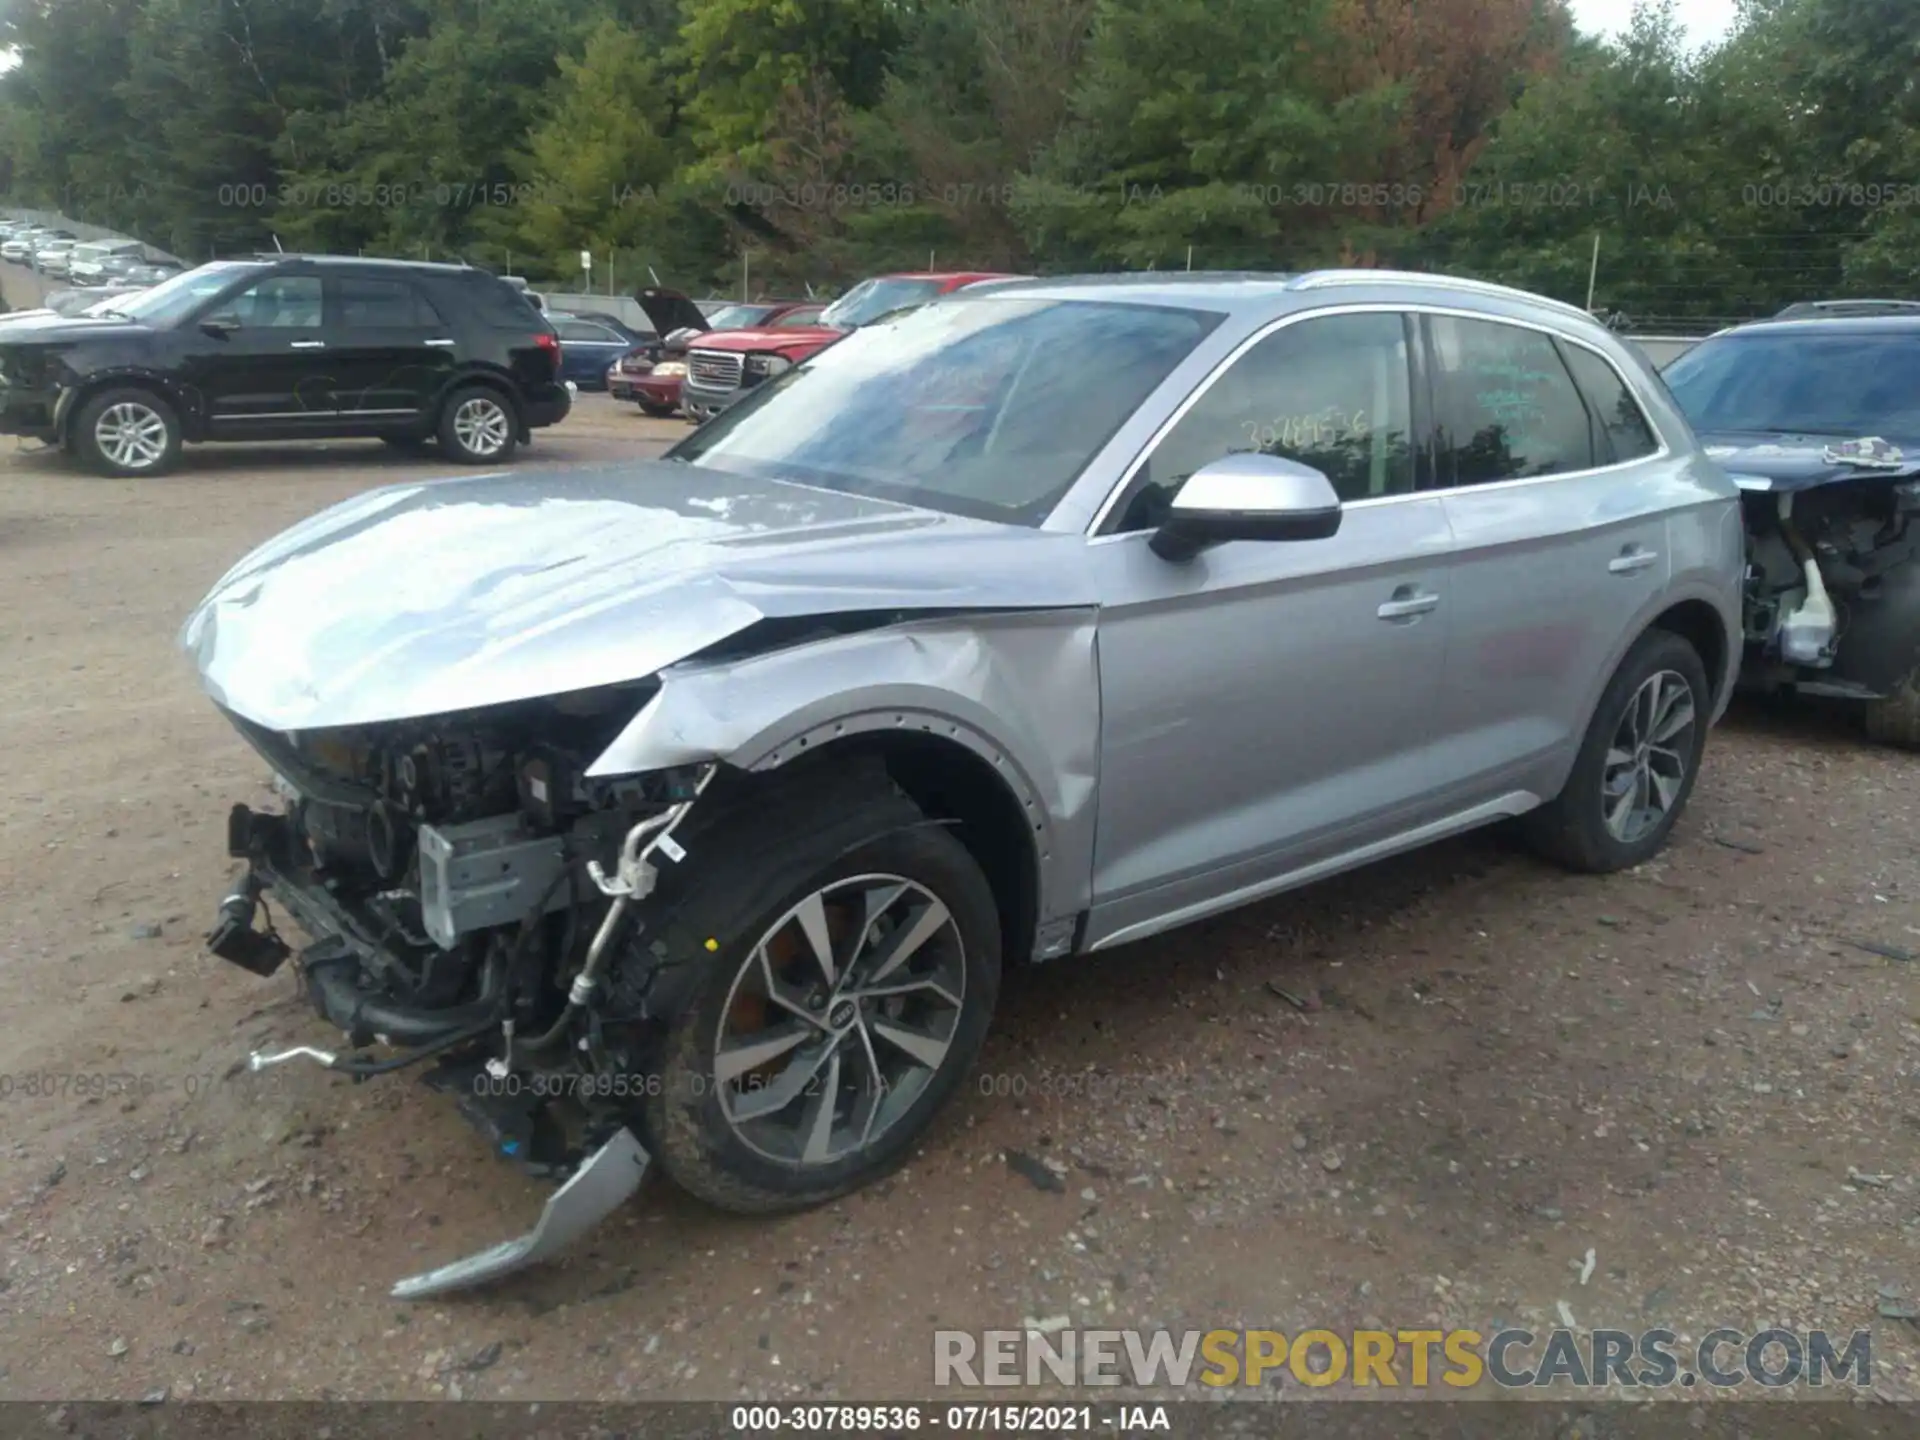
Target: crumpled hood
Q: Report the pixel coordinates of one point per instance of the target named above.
(420, 599)
(1798, 462)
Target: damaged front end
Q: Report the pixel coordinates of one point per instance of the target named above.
(1832, 593)
(469, 891)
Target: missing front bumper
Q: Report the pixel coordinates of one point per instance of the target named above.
(600, 1186)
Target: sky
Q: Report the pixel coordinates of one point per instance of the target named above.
(1705, 20)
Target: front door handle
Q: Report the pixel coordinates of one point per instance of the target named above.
(1406, 603)
(447, 343)
(309, 345)
(1632, 560)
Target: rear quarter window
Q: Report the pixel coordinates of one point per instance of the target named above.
(1625, 433)
(500, 306)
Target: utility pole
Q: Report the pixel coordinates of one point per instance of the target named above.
(1593, 271)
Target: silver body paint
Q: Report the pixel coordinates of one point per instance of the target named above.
(1184, 737)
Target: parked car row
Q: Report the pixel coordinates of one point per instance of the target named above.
(62, 255)
(704, 364)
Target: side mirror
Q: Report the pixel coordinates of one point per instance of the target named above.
(220, 326)
(1247, 497)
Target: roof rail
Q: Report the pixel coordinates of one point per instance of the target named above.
(1324, 279)
(1811, 309)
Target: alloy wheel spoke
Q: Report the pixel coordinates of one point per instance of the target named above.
(734, 1061)
(1619, 811)
(811, 917)
(876, 1090)
(780, 993)
(787, 1087)
(926, 1050)
(1664, 787)
(904, 942)
(929, 985)
(818, 1120)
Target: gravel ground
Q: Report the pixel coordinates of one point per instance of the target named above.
(1420, 1094)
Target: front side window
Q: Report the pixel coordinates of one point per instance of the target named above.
(279, 302)
(1505, 407)
(185, 293)
(989, 408)
(1818, 384)
(1332, 393)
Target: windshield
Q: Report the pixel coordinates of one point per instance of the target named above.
(989, 408)
(738, 317)
(871, 299)
(174, 298)
(1829, 384)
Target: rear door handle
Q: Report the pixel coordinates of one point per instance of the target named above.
(1406, 603)
(308, 344)
(1632, 560)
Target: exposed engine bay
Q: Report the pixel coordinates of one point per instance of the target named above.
(1820, 562)
(467, 885)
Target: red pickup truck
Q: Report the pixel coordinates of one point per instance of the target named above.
(723, 365)
(650, 375)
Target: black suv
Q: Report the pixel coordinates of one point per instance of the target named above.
(284, 347)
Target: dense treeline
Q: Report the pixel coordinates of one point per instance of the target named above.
(795, 141)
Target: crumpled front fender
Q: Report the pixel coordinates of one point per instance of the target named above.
(1020, 690)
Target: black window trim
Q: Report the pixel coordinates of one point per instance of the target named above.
(1101, 527)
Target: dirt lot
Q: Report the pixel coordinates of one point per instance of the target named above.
(1496, 1069)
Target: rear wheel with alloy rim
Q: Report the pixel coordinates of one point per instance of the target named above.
(127, 433)
(1637, 764)
(477, 426)
(846, 989)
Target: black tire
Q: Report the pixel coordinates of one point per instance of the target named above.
(763, 860)
(478, 426)
(102, 428)
(1896, 719)
(1572, 828)
(655, 409)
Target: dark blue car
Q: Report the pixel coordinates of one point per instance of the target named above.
(1817, 418)
(589, 344)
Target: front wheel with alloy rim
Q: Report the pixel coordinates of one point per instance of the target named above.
(1637, 764)
(848, 976)
(477, 426)
(127, 433)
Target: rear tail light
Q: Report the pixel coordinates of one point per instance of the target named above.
(549, 342)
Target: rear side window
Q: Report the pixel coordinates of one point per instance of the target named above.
(1624, 430)
(1504, 405)
(499, 305)
(383, 305)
